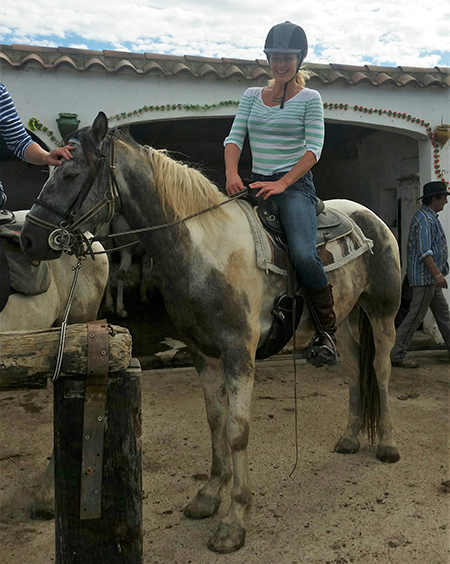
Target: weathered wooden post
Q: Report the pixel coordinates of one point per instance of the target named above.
(97, 436)
(114, 537)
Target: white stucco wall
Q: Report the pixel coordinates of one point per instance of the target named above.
(46, 93)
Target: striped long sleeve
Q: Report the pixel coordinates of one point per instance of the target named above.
(279, 137)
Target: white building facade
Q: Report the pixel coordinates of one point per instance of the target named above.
(381, 122)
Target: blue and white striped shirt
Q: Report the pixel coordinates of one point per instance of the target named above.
(426, 238)
(279, 137)
(11, 128)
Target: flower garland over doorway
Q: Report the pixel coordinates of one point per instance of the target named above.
(34, 124)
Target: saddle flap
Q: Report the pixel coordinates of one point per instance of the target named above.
(24, 277)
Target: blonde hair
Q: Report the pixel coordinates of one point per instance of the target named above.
(300, 78)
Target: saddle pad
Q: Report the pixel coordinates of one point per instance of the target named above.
(24, 278)
(333, 252)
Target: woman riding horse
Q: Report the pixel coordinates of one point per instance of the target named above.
(285, 125)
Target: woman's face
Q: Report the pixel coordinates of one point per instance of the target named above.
(284, 66)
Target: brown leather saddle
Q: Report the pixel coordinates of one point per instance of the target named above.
(286, 310)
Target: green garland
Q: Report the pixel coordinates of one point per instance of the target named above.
(34, 123)
(168, 107)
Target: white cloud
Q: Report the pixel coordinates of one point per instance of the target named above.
(404, 32)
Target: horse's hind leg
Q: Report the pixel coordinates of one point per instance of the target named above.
(349, 442)
(384, 336)
(212, 378)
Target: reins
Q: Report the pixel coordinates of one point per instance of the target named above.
(63, 236)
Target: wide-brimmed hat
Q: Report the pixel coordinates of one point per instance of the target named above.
(434, 188)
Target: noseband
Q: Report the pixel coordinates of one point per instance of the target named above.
(65, 235)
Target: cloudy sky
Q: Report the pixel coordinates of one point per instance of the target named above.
(378, 32)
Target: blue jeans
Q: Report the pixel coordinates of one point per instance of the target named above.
(297, 210)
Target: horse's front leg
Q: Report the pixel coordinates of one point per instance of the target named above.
(239, 373)
(208, 499)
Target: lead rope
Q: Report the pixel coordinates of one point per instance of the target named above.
(291, 294)
(62, 336)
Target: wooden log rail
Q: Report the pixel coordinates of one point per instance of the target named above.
(28, 358)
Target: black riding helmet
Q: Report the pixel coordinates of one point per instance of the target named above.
(286, 38)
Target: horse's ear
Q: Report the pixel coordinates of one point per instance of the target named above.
(99, 128)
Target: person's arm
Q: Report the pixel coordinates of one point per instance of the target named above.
(233, 180)
(437, 275)
(35, 154)
(234, 143)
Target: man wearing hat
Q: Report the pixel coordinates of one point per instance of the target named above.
(427, 268)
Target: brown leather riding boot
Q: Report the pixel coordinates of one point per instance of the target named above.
(321, 350)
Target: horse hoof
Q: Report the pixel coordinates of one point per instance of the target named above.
(202, 506)
(347, 446)
(388, 454)
(228, 538)
(39, 513)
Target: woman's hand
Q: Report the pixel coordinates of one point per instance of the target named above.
(234, 183)
(267, 189)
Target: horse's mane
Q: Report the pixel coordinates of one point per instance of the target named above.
(183, 190)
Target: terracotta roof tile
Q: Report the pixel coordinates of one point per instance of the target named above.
(360, 77)
(428, 80)
(95, 61)
(335, 76)
(32, 57)
(153, 66)
(180, 68)
(234, 70)
(163, 57)
(33, 49)
(64, 60)
(207, 69)
(226, 68)
(406, 79)
(124, 54)
(383, 78)
(125, 64)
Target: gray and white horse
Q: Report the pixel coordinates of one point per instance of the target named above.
(216, 294)
(29, 313)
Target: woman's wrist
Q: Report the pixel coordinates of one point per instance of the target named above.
(439, 276)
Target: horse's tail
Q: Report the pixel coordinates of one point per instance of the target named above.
(370, 393)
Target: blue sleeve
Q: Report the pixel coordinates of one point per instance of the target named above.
(11, 128)
(422, 234)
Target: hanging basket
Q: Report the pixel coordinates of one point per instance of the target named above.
(442, 133)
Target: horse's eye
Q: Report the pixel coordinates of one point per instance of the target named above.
(70, 175)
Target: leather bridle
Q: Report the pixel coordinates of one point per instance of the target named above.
(65, 235)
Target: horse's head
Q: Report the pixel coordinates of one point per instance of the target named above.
(77, 187)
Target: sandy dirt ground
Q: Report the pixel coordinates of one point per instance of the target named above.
(334, 509)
